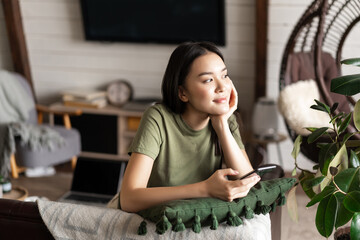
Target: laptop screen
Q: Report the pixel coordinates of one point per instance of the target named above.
(96, 176)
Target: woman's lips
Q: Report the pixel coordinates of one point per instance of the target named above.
(220, 100)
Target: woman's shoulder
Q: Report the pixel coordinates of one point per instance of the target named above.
(158, 110)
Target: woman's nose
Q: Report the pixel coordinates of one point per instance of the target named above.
(220, 85)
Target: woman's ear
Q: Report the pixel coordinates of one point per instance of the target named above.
(182, 94)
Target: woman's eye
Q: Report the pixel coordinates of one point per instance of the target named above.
(208, 80)
(226, 76)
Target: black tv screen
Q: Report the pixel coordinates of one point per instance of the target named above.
(159, 21)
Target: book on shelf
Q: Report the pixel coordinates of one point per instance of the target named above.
(83, 94)
(97, 103)
(71, 98)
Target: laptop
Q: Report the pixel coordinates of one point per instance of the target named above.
(95, 181)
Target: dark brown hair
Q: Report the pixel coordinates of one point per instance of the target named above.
(178, 68)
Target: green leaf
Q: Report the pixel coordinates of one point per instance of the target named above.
(354, 160)
(316, 134)
(291, 205)
(319, 108)
(356, 115)
(311, 129)
(346, 85)
(323, 194)
(352, 201)
(348, 180)
(351, 61)
(326, 154)
(355, 227)
(343, 215)
(323, 105)
(310, 183)
(296, 148)
(326, 215)
(345, 123)
(347, 136)
(293, 173)
(334, 107)
(339, 115)
(306, 176)
(325, 183)
(340, 161)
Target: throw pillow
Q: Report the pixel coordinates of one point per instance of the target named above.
(195, 213)
(294, 104)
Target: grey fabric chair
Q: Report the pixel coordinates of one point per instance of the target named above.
(26, 157)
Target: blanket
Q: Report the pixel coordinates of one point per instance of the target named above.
(15, 105)
(73, 221)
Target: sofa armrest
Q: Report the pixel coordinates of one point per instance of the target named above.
(21, 220)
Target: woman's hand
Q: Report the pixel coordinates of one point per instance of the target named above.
(218, 186)
(218, 120)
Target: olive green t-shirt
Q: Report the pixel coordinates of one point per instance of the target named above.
(181, 155)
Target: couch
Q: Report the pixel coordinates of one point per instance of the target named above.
(22, 220)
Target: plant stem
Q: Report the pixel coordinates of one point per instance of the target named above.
(337, 187)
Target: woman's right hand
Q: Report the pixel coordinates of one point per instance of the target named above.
(218, 186)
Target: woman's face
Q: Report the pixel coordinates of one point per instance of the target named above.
(207, 87)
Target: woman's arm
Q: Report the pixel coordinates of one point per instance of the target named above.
(234, 157)
(135, 195)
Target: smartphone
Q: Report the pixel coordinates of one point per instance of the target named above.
(260, 171)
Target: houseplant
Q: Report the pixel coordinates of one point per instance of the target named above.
(334, 182)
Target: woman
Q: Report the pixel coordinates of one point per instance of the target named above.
(173, 155)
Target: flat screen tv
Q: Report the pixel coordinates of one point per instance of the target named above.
(159, 21)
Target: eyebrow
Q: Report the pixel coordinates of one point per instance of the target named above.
(208, 73)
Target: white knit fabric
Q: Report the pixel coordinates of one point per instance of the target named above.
(73, 221)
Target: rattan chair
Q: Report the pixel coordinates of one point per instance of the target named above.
(318, 39)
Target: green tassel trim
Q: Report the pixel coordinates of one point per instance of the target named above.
(273, 206)
(261, 208)
(282, 199)
(196, 227)
(163, 225)
(142, 230)
(258, 207)
(179, 226)
(214, 221)
(233, 219)
(249, 213)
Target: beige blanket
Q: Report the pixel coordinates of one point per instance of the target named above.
(72, 221)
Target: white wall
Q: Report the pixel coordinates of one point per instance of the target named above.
(60, 58)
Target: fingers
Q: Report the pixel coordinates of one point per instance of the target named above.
(233, 97)
(242, 187)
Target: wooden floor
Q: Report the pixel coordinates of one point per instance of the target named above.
(52, 187)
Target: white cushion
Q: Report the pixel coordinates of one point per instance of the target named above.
(294, 104)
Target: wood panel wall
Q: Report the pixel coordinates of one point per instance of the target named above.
(60, 57)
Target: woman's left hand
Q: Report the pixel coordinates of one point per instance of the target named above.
(218, 120)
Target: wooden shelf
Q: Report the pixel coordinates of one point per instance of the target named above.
(127, 123)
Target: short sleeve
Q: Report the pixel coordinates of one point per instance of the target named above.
(234, 128)
(148, 138)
